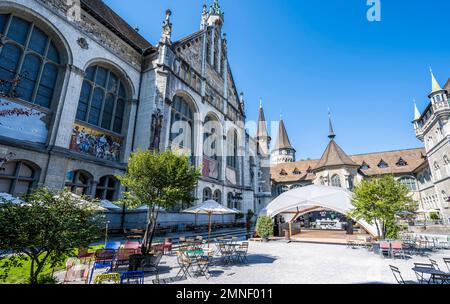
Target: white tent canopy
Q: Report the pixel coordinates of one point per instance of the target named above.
(307, 199)
(109, 205)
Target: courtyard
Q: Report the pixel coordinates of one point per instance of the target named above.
(279, 262)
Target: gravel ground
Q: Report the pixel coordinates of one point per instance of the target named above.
(302, 263)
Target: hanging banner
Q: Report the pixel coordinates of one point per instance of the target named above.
(95, 143)
(23, 123)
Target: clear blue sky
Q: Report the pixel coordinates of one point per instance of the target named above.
(303, 56)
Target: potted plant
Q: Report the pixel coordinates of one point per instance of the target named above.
(264, 227)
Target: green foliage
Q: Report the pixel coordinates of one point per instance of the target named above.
(378, 200)
(249, 217)
(264, 226)
(434, 216)
(45, 230)
(158, 179)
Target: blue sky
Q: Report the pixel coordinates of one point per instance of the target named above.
(305, 56)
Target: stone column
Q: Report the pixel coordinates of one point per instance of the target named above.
(67, 108)
(129, 132)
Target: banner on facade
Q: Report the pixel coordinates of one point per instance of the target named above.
(231, 176)
(22, 122)
(210, 168)
(95, 143)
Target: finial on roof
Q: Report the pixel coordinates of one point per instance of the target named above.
(416, 111)
(260, 103)
(331, 134)
(166, 35)
(435, 86)
(215, 9)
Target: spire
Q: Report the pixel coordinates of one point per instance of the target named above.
(416, 111)
(166, 36)
(434, 83)
(215, 9)
(283, 141)
(331, 134)
(262, 124)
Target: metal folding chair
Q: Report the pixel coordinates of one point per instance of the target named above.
(398, 276)
(132, 277)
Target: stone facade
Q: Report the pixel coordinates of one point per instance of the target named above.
(192, 71)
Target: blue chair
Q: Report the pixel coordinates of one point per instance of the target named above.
(104, 258)
(100, 265)
(136, 276)
(113, 245)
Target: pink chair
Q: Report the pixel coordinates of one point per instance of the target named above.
(132, 245)
(385, 247)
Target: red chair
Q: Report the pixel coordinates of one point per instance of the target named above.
(397, 249)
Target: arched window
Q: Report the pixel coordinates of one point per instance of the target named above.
(207, 194)
(409, 182)
(182, 125)
(232, 153)
(18, 178)
(218, 196)
(211, 138)
(102, 99)
(107, 188)
(336, 181)
(230, 200)
(447, 164)
(27, 50)
(79, 182)
(437, 171)
(282, 189)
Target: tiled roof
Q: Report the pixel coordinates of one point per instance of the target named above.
(412, 159)
(334, 156)
(103, 13)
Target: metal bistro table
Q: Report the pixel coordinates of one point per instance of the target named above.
(196, 256)
(433, 274)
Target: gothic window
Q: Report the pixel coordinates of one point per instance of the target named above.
(182, 122)
(18, 178)
(79, 182)
(336, 181)
(297, 171)
(218, 196)
(102, 99)
(232, 143)
(107, 188)
(401, 163)
(30, 52)
(409, 182)
(447, 164)
(365, 166)
(437, 171)
(230, 200)
(383, 165)
(207, 194)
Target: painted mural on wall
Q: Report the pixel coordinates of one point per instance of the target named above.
(89, 141)
(23, 123)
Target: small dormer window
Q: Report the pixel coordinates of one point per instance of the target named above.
(309, 170)
(401, 163)
(283, 172)
(296, 171)
(383, 165)
(365, 166)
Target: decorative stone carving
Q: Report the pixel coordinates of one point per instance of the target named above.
(83, 43)
(157, 125)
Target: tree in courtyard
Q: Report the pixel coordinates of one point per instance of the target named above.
(46, 229)
(158, 180)
(379, 200)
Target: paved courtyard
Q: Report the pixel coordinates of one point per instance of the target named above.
(302, 263)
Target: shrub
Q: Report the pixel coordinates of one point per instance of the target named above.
(264, 226)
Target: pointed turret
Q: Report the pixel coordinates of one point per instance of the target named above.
(435, 86)
(262, 136)
(215, 15)
(416, 112)
(204, 20)
(283, 152)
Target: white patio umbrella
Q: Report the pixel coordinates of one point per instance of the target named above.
(108, 205)
(85, 203)
(210, 208)
(6, 197)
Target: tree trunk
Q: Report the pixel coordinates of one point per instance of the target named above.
(150, 231)
(33, 279)
(378, 228)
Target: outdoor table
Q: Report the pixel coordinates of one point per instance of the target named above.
(194, 253)
(430, 271)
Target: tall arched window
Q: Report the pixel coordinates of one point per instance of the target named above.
(18, 178)
(102, 99)
(79, 182)
(336, 181)
(437, 171)
(232, 153)
(218, 196)
(27, 50)
(281, 189)
(230, 200)
(447, 164)
(182, 125)
(107, 188)
(207, 194)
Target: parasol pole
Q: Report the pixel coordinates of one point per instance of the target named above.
(209, 232)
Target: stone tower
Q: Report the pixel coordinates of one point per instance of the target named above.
(283, 152)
